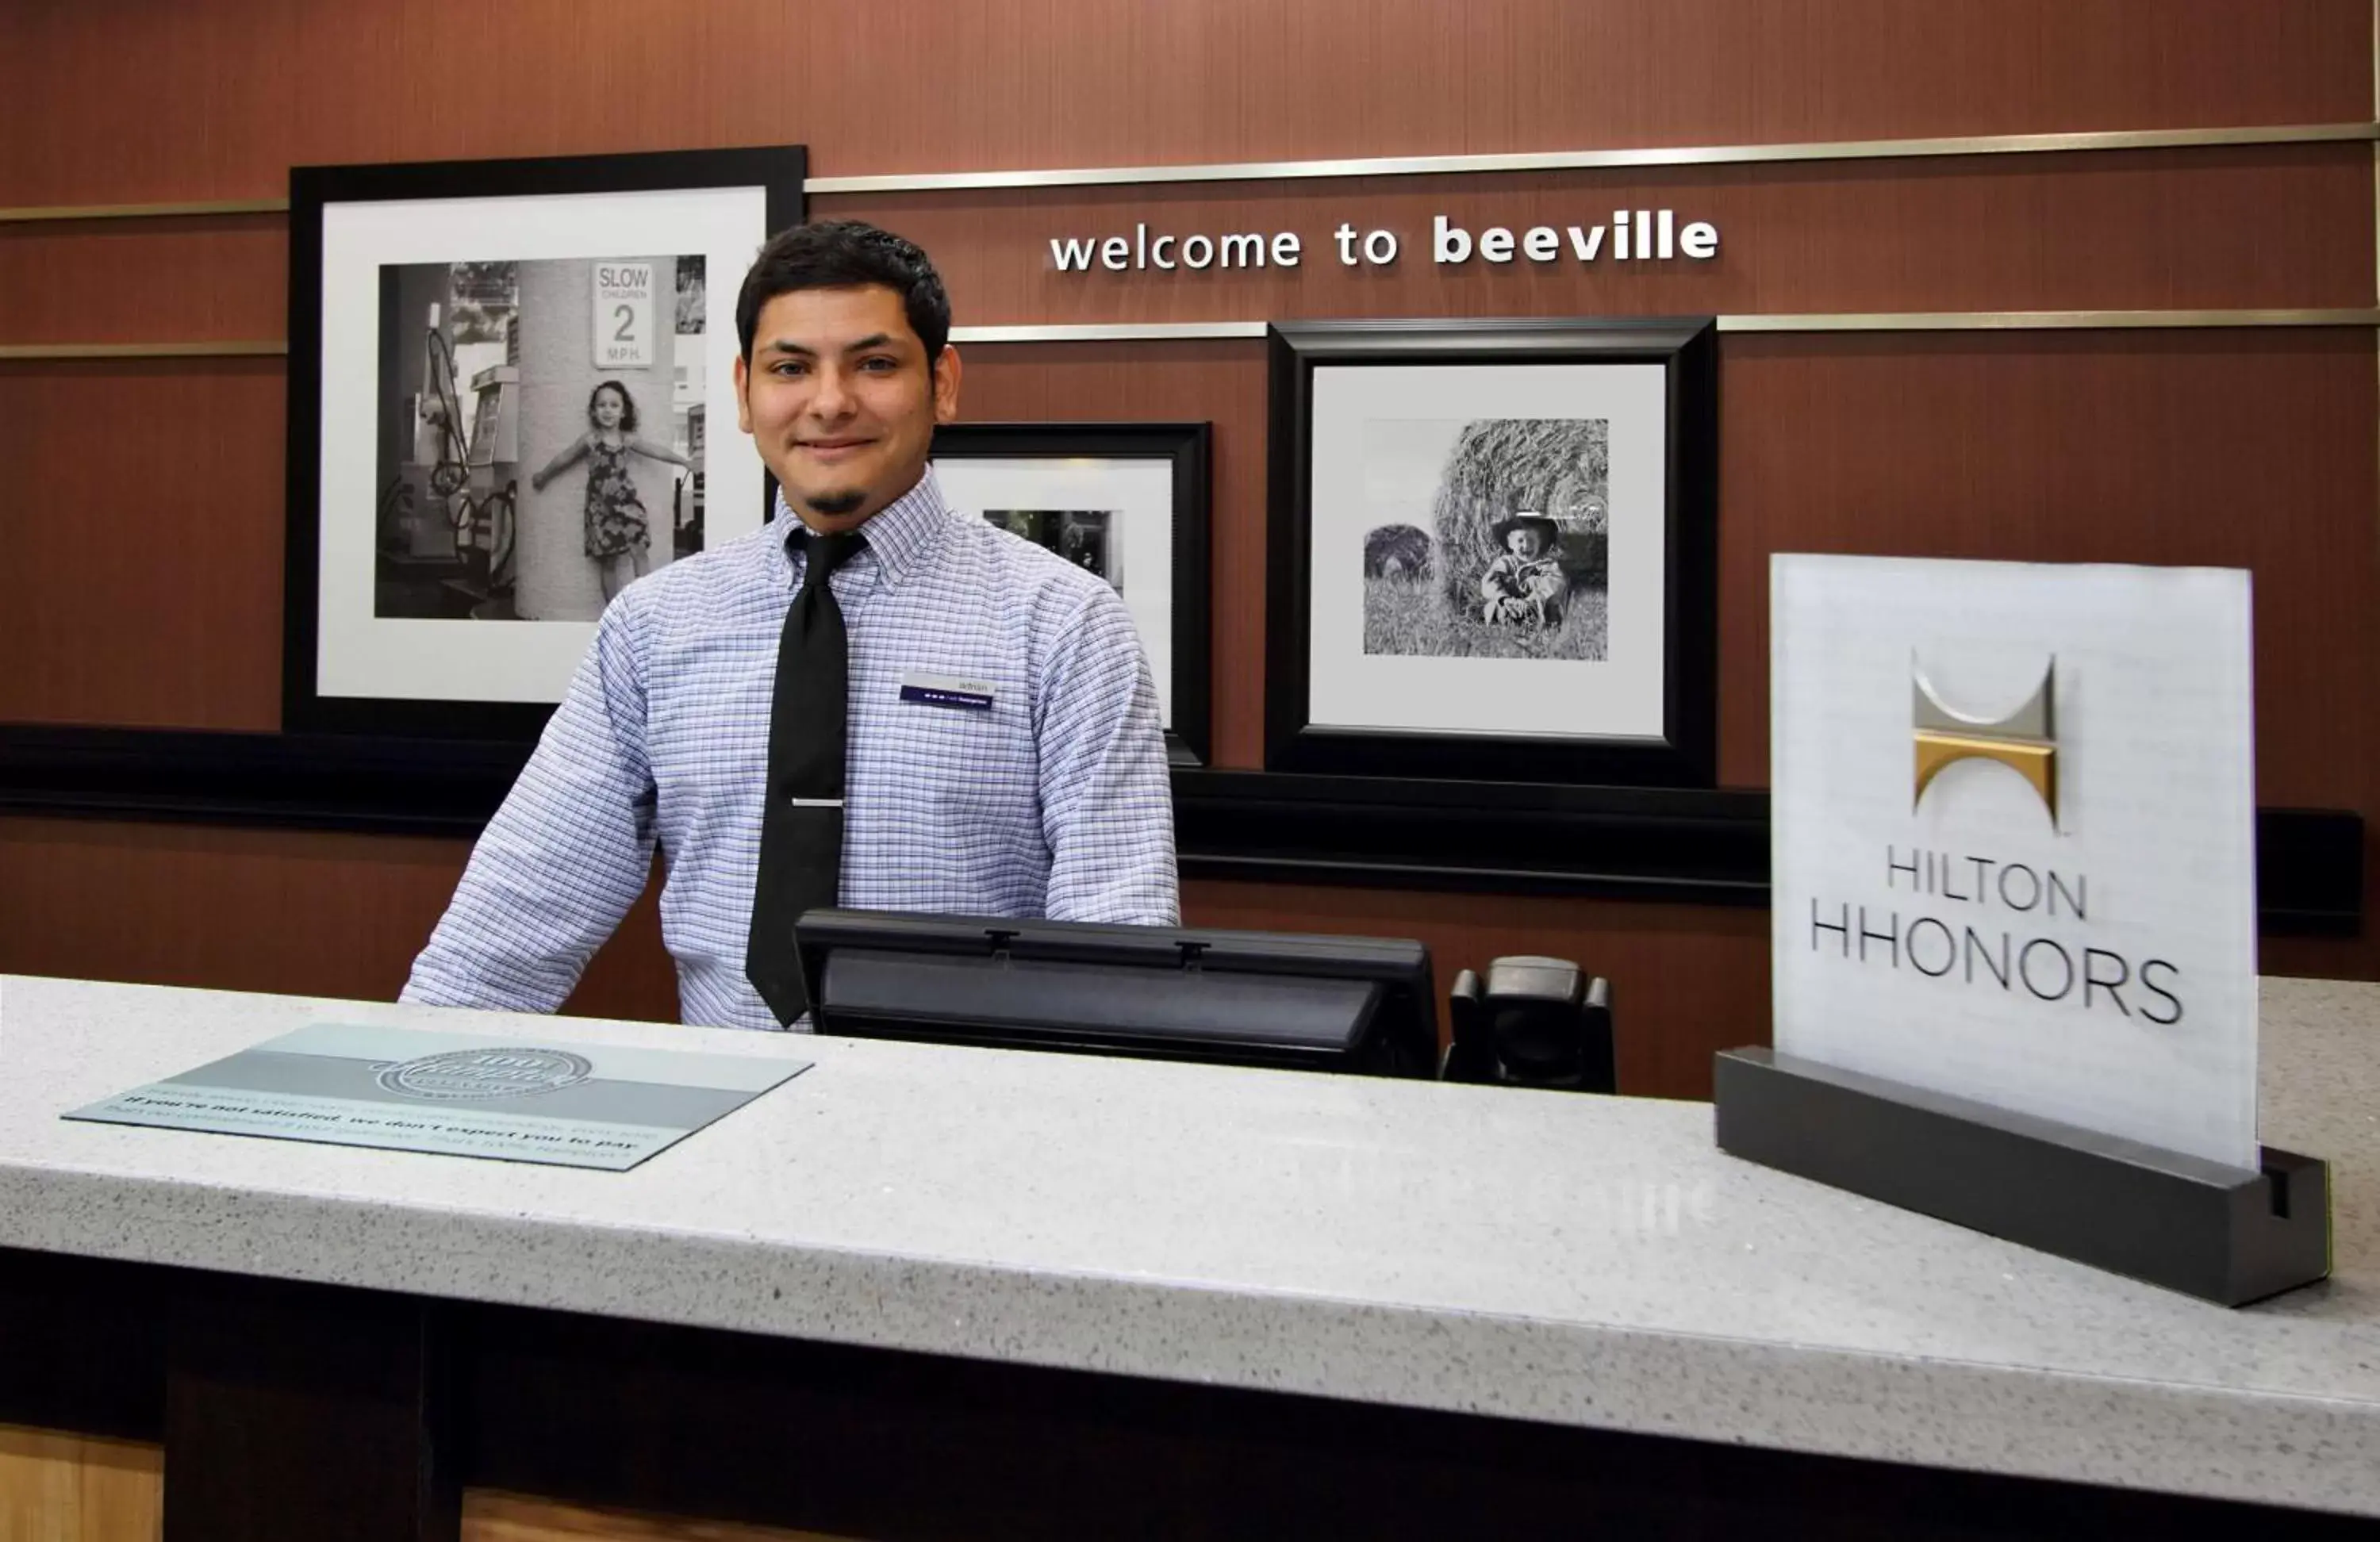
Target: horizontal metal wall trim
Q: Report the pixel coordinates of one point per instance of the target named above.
(1164, 332)
(1417, 165)
(1881, 321)
(234, 348)
(186, 210)
(1110, 332)
(1601, 160)
(2046, 321)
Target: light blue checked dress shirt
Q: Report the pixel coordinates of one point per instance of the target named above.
(1054, 803)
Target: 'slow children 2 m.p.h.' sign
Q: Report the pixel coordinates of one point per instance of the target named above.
(623, 315)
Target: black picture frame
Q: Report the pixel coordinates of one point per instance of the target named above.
(1187, 448)
(779, 171)
(1682, 754)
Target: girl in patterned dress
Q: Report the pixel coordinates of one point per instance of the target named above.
(617, 536)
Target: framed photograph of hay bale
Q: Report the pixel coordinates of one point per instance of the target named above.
(1127, 500)
(1492, 550)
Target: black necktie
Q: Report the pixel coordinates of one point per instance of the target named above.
(801, 829)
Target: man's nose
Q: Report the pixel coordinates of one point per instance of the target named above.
(831, 395)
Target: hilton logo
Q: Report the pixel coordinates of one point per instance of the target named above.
(2025, 741)
(2047, 962)
(479, 1074)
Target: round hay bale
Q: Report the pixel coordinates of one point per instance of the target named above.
(1502, 466)
(1396, 551)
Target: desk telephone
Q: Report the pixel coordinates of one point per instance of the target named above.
(1533, 1022)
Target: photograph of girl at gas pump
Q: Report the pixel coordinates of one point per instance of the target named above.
(541, 433)
(619, 537)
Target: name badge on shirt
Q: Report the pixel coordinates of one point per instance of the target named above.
(946, 690)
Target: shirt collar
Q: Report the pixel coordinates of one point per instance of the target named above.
(899, 534)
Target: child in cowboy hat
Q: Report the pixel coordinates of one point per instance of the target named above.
(1525, 584)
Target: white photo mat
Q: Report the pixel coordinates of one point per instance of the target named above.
(1138, 492)
(358, 654)
(1618, 697)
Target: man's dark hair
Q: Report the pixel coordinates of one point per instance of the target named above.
(846, 254)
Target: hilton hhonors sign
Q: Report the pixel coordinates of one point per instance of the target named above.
(2013, 840)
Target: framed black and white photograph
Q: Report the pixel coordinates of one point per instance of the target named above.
(511, 393)
(1493, 550)
(1125, 501)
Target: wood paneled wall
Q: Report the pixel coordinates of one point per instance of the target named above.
(2272, 226)
(143, 516)
(298, 912)
(143, 523)
(61, 1487)
(133, 99)
(492, 1516)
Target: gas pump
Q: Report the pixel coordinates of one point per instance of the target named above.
(470, 471)
(494, 473)
(414, 525)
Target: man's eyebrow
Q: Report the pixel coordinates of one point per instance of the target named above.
(786, 346)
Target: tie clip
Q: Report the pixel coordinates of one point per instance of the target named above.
(814, 803)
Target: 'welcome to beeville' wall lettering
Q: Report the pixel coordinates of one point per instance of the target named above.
(1641, 235)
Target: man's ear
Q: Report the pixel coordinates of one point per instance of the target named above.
(946, 385)
(743, 408)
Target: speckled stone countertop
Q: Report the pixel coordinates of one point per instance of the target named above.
(1577, 1261)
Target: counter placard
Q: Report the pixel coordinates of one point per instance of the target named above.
(461, 1095)
(2013, 881)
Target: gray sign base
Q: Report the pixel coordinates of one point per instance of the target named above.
(2215, 1231)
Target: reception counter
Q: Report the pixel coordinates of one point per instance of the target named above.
(932, 1290)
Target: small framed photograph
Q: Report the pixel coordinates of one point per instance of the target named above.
(506, 380)
(1127, 501)
(1492, 551)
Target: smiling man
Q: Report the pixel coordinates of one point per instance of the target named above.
(873, 700)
